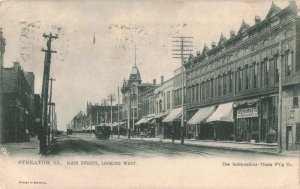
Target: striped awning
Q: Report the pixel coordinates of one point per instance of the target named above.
(160, 115)
(223, 113)
(145, 119)
(141, 121)
(201, 115)
(174, 114)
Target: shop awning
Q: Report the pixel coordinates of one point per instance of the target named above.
(223, 113)
(202, 115)
(174, 114)
(115, 124)
(146, 119)
(245, 102)
(143, 120)
(160, 115)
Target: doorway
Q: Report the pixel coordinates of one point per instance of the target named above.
(289, 138)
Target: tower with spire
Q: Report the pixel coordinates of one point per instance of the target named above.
(135, 76)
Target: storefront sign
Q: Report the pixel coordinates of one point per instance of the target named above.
(247, 112)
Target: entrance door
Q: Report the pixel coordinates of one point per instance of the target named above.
(289, 138)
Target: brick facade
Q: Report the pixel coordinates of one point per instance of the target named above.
(245, 67)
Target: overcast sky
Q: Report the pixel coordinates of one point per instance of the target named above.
(88, 71)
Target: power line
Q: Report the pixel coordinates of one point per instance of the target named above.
(181, 44)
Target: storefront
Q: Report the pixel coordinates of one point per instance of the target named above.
(145, 126)
(246, 120)
(256, 120)
(198, 128)
(222, 121)
(159, 124)
(172, 123)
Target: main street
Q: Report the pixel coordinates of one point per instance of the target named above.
(88, 145)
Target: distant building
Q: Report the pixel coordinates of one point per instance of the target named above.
(129, 96)
(18, 103)
(101, 113)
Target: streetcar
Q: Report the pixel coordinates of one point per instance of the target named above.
(102, 132)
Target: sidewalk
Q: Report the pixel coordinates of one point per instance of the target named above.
(28, 149)
(225, 145)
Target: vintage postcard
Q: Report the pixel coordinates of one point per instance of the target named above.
(150, 94)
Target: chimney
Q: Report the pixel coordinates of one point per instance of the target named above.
(257, 19)
(232, 33)
(213, 45)
(198, 53)
(16, 65)
(161, 79)
(154, 81)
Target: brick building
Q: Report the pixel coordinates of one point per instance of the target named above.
(239, 79)
(130, 94)
(18, 104)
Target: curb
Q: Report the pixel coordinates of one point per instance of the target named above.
(216, 147)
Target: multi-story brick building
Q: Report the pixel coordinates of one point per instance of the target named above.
(163, 103)
(2, 50)
(130, 99)
(18, 103)
(240, 75)
(172, 122)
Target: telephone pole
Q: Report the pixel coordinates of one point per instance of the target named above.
(279, 126)
(45, 91)
(181, 49)
(50, 112)
(118, 113)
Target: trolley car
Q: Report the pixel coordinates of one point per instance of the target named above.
(102, 132)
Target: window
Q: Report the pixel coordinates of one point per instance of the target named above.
(197, 93)
(288, 61)
(211, 88)
(239, 79)
(267, 68)
(194, 93)
(230, 81)
(297, 132)
(224, 84)
(219, 85)
(295, 99)
(207, 89)
(168, 100)
(246, 77)
(276, 73)
(255, 71)
(203, 90)
(295, 102)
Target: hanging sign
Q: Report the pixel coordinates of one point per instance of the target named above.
(247, 112)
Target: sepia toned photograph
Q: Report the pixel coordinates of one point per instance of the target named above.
(149, 94)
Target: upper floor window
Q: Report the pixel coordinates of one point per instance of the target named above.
(246, 77)
(255, 73)
(276, 72)
(230, 81)
(288, 63)
(224, 84)
(211, 88)
(219, 85)
(168, 100)
(239, 79)
(207, 89)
